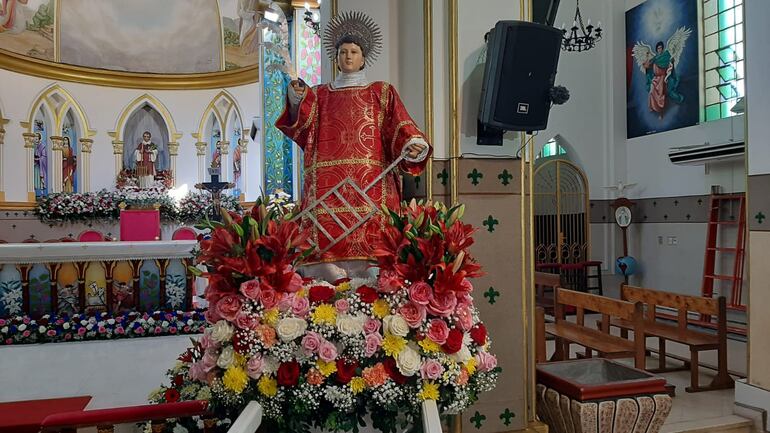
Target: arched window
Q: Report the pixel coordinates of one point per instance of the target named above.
(551, 148)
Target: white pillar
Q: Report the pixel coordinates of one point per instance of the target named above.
(84, 167)
(173, 151)
(57, 143)
(224, 165)
(117, 151)
(201, 147)
(29, 150)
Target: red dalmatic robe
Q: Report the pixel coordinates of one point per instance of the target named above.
(353, 132)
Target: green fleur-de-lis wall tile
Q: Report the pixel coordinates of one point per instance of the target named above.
(760, 217)
(490, 223)
(506, 416)
(475, 175)
(491, 294)
(505, 177)
(444, 176)
(478, 419)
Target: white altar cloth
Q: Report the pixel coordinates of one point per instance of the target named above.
(61, 252)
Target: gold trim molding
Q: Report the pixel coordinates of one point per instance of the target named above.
(129, 80)
(17, 205)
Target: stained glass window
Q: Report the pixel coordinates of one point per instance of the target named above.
(551, 148)
(723, 57)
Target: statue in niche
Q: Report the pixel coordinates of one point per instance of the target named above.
(216, 157)
(69, 166)
(41, 163)
(145, 155)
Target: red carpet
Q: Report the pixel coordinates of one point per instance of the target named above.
(26, 416)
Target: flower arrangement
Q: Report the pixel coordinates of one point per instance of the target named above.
(52, 328)
(197, 205)
(319, 354)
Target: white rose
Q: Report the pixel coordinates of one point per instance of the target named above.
(66, 326)
(222, 331)
(41, 329)
(408, 361)
(290, 328)
(22, 327)
(462, 355)
(270, 365)
(396, 325)
(226, 358)
(350, 325)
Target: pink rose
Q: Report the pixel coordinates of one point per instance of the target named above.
(228, 307)
(373, 342)
(246, 321)
(389, 282)
(254, 366)
(342, 305)
(210, 359)
(371, 325)
(208, 342)
(431, 369)
(464, 300)
(327, 351)
(465, 286)
(311, 342)
(82, 331)
(413, 314)
(251, 289)
(464, 318)
(285, 303)
(438, 331)
(486, 361)
(158, 329)
(443, 304)
(27, 333)
(295, 283)
(300, 307)
(198, 371)
(421, 293)
(118, 330)
(212, 315)
(50, 333)
(268, 298)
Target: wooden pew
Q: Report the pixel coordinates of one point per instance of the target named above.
(607, 346)
(546, 282)
(680, 333)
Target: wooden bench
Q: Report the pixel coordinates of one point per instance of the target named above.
(606, 345)
(679, 332)
(545, 283)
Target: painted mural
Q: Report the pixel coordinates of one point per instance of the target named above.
(26, 27)
(241, 32)
(662, 66)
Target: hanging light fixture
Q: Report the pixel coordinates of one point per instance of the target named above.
(580, 37)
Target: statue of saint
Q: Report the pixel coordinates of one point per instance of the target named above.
(40, 176)
(216, 157)
(68, 166)
(351, 128)
(145, 155)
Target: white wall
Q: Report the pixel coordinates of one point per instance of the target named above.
(758, 83)
(116, 373)
(102, 107)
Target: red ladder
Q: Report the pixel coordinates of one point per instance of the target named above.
(716, 246)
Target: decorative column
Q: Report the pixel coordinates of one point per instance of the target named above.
(243, 142)
(224, 161)
(29, 147)
(201, 147)
(57, 145)
(173, 151)
(117, 152)
(85, 164)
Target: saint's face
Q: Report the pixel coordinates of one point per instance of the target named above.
(146, 136)
(659, 49)
(350, 58)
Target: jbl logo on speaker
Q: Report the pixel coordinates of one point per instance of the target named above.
(522, 108)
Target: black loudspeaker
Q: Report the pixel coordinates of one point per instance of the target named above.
(519, 73)
(544, 11)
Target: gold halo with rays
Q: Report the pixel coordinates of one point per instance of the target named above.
(358, 25)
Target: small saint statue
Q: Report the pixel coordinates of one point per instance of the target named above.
(145, 155)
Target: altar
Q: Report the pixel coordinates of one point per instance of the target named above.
(81, 277)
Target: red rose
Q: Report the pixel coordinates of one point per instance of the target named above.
(178, 380)
(171, 395)
(454, 342)
(288, 373)
(240, 344)
(345, 370)
(392, 370)
(367, 294)
(479, 334)
(320, 294)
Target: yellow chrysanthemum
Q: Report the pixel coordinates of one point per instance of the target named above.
(380, 308)
(429, 391)
(343, 287)
(235, 379)
(270, 316)
(393, 344)
(470, 366)
(326, 368)
(357, 384)
(429, 345)
(301, 293)
(240, 360)
(267, 386)
(324, 314)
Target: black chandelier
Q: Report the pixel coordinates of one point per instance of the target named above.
(313, 19)
(580, 37)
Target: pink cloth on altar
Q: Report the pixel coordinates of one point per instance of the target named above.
(140, 225)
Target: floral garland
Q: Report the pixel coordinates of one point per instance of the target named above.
(322, 355)
(105, 205)
(52, 328)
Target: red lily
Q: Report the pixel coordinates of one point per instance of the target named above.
(459, 237)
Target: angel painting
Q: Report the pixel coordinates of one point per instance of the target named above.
(660, 69)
